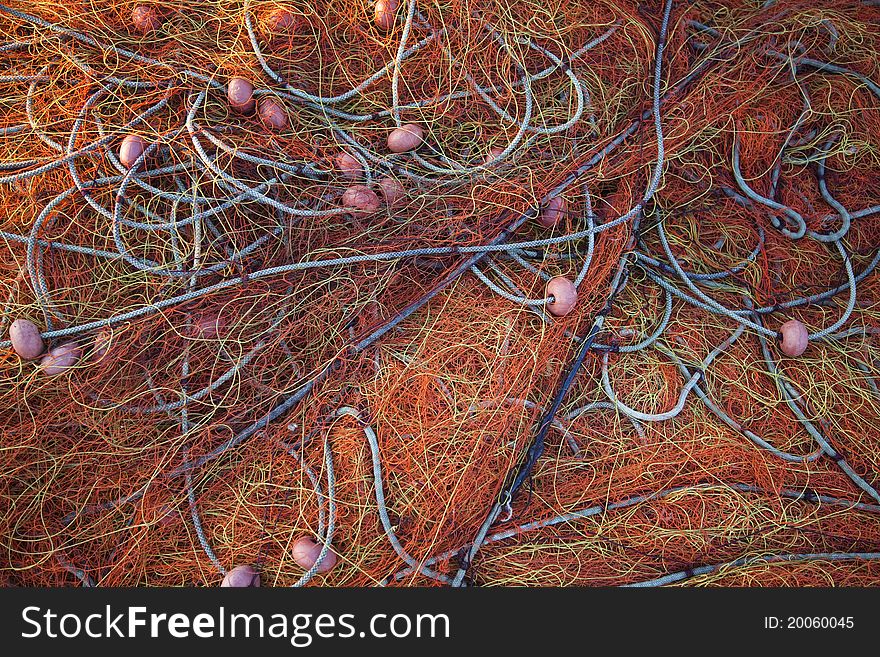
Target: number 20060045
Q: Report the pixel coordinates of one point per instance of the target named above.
(810, 622)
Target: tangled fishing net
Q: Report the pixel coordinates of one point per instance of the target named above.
(471, 293)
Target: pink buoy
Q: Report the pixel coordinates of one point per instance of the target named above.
(564, 295)
(794, 338)
(279, 20)
(493, 154)
(240, 93)
(273, 114)
(145, 19)
(306, 552)
(132, 147)
(405, 138)
(392, 191)
(61, 358)
(553, 212)
(361, 198)
(241, 577)
(348, 165)
(208, 327)
(26, 340)
(384, 15)
(101, 345)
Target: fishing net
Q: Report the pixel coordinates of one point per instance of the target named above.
(281, 327)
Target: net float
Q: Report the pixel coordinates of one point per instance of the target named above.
(794, 338)
(61, 358)
(493, 154)
(385, 12)
(241, 577)
(306, 552)
(405, 138)
(279, 20)
(132, 147)
(240, 93)
(209, 326)
(349, 165)
(553, 212)
(564, 295)
(26, 340)
(391, 189)
(273, 114)
(361, 198)
(101, 345)
(145, 19)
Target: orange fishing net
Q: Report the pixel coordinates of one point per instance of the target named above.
(256, 360)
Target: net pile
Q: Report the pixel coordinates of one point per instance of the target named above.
(284, 328)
